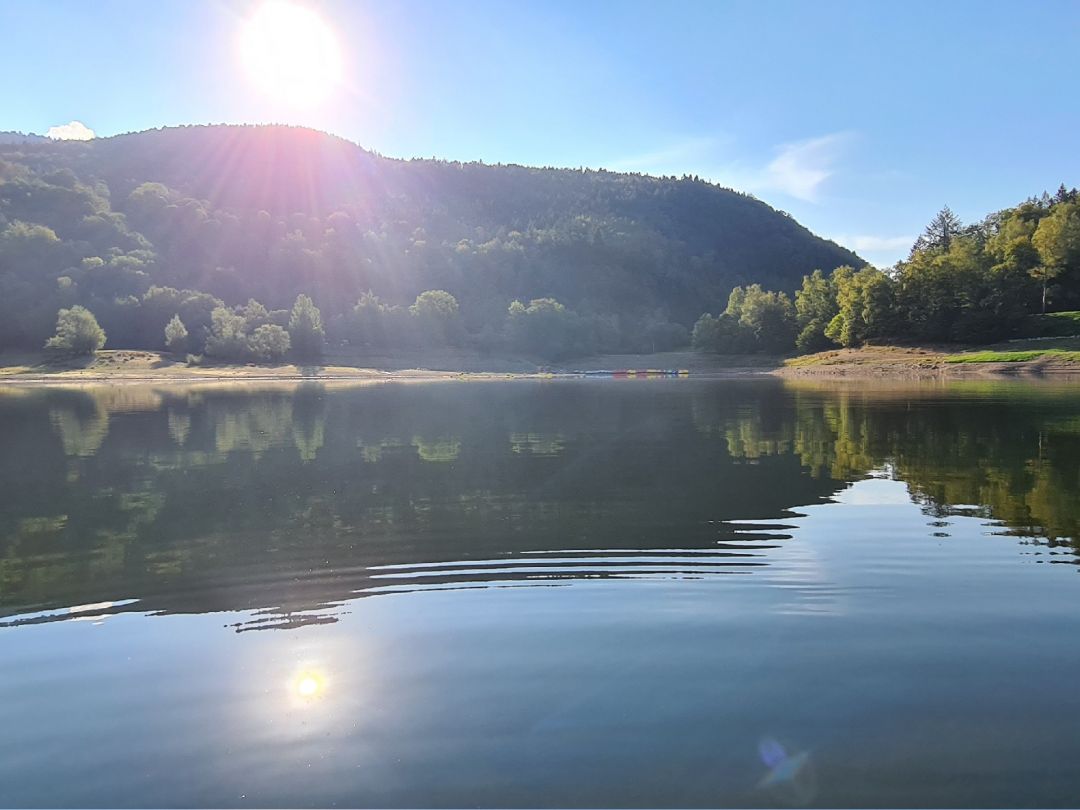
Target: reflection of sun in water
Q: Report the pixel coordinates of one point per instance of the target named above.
(290, 53)
(308, 685)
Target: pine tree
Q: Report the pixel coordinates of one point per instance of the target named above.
(943, 228)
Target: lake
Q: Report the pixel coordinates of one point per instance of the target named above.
(531, 593)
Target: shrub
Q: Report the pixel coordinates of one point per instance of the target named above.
(77, 332)
(269, 342)
(176, 335)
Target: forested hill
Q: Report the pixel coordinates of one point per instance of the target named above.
(272, 212)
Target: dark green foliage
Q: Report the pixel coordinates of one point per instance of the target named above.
(270, 213)
(1057, 243)
(756, 320)
(77, 333)
(865, 307)
(435, 319)
(376, 325)
(971, 284)
(1054, 324)
(815, 307)
(306, 328)
(293, 218)
(545, 328)
(159, 304)
(938, 235)
(722, 335)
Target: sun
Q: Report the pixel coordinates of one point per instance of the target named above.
(291, 53)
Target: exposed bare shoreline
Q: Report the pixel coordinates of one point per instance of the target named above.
(122, 367)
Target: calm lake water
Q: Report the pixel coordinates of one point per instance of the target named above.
(573, 593)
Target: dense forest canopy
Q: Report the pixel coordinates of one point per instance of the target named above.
(961, 283)
(143, 227)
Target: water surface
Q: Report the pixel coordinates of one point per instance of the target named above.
(562, 593)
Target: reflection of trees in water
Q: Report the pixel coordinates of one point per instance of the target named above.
(179, 426)
(537, 444)
(442, 449)
(264, 423)
(82, 427)
(205, 489)
(238, 420)
(831, 438)
(1017, 460)
(533, 466)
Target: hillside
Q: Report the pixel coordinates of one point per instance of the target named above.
(271, 212)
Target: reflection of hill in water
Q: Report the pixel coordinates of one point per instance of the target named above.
(291, 502)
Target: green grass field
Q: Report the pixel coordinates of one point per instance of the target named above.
(1018, 356)
(1053, 324)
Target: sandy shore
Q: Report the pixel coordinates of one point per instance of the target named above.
(122, 366)
(893, 362)
(141, 367)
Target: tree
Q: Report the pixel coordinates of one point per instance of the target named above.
(77, 332)
(943, 228)
(864, 302)
(435, 313)
(227, 339)
(1044, 274)
(254, 315)
(176, 335)
(269, 342)
(1057, 239)
(376, 324)
(767, 317)
(435, 304)
(544, 328)
(721, 334)
(815, 307)
(306, 328)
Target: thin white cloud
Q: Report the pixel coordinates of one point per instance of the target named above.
(73, 131)
(800, 168)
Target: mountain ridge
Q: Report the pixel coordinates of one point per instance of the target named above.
(267, 212)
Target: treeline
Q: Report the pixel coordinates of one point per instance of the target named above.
(200, 325)
(269, 213)
(960, 284)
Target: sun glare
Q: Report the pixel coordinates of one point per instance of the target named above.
(291, 53)
(307, 684)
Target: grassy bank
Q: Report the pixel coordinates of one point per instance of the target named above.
(141, 366)
(1037, 356)
(1015, 356)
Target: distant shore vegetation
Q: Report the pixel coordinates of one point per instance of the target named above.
(127, 242)
(180, 223)
(971, 284)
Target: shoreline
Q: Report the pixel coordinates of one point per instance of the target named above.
(136, 367)
(926, 363)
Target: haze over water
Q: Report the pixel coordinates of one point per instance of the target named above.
(579, 593)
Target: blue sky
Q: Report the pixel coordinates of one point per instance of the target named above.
(859, 118)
